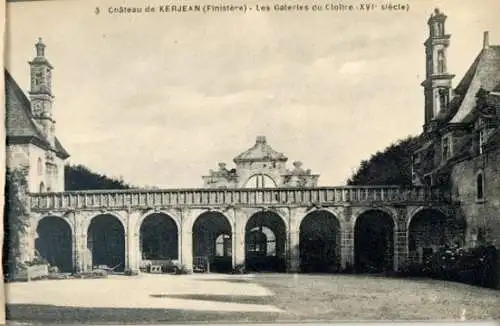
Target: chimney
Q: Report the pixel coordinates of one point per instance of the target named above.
(486, 40)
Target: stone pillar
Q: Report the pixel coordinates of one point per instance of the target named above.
(238, 237)
(347, 246)
(132, 243)
(294, 251)
(79, 250)
(186, 241)
(79, 244)
(400, 248)
(238, 245)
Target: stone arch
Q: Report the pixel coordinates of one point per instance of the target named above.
(158, 237)
(170, 214)
(374, 240)
(258, 255)
(389, 211)
(106, 241)
(260, 181)
(206, 230)
(114, 214)
(55, 242)
(429, 229)
(320, 241)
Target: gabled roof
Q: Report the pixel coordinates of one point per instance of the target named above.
(261, 151)
(496, 89)
(20, 125)
(483, 73)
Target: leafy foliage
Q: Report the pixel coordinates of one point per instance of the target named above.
(16, 218)
(477, 266)
(389, 167)
(79, 177)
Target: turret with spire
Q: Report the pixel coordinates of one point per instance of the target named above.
(41, 91)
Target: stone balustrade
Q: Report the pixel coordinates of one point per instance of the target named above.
(205, 197)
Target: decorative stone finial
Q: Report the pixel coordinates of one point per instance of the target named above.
(261, 140)
(222, 166)
(40, 47)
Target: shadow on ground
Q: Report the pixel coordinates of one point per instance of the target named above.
(246, 299)
(48, 314)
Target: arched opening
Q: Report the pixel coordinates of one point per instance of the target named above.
(265, 238)
(212, 243)
(430, 230)
(319, 243)
(260, 181)
(55, 242)
(374, 242)
(42, 187)
(106, 242)
(159, 239)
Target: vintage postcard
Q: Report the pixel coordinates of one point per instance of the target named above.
(251, 161)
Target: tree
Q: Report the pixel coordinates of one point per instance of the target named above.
(389, 167)
(79, 177)
(16, 218)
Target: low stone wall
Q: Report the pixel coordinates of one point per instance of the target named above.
(34, 272)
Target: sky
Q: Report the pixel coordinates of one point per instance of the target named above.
(159, 99)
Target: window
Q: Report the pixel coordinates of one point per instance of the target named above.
(480, 141)
(441, 29)
(443, 98)
(441, 62)
(260, 181)
(446, 148)
(42, 187)
(479, 186)
(40, 166)
(38, 78)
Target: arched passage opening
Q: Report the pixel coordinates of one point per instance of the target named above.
(212, 244)
(159, 238)
(430, 230)
(55, 242)
(374, 242)
(106, 242)
(319, 243)
(265, 238)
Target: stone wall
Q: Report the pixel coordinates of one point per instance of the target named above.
(482, 215)
(35, 159)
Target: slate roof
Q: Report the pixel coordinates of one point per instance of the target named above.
(261, 151)
(20, 125)
(483, 73)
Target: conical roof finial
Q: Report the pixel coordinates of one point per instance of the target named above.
(40, 47)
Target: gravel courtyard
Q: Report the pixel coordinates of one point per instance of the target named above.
(247, 298)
